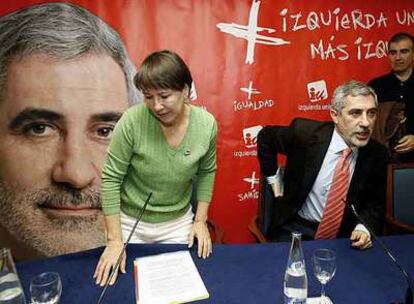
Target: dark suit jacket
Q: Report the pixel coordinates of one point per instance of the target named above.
(305, 143)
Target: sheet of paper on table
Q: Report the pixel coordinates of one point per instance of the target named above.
(168, 278)
(317, 300)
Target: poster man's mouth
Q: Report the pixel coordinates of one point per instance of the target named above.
(78, 211)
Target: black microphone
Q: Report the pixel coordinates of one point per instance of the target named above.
(409, 294)
(115, 268)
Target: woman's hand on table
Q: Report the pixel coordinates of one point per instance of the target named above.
(108, 261)
(200, 231)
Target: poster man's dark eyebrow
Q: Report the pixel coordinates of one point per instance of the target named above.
(30, 114)
(107, 116)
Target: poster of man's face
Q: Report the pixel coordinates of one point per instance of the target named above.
(57, 114)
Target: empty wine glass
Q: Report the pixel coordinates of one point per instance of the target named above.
(324, 268)
(45, 288)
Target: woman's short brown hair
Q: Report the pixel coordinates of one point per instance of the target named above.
(163, 70)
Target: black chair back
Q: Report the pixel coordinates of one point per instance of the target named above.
(400, 198)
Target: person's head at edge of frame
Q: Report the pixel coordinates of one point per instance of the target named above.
(65, 80)
(401, 54)
(354, 110)
(165, 81)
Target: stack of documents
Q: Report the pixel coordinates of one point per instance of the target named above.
(168, 278)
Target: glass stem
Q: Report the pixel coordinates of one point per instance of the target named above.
(323, 292)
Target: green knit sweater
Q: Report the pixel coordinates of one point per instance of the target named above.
(140, 161)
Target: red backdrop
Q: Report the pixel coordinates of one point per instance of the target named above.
(256, 63)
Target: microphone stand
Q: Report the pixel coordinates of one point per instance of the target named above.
(115, 268)
(409, 293)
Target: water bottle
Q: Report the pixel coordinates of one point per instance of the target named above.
(11, 291)
(295, 284)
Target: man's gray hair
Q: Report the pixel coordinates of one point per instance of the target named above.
(62, 31)
(352, 88)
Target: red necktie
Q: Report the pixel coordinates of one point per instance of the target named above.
(335, 203)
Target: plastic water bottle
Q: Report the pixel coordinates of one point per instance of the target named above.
(295, 285)
(10, 290)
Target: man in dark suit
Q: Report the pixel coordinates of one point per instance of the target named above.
(313, 150)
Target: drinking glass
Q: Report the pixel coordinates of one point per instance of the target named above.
(324, 268)
(11, 291)
(45, 288)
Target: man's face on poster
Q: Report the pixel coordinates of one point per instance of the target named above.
(56, 121)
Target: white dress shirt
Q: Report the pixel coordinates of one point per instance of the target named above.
(312, 209)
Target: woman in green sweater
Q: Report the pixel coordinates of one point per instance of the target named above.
(159, 147)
